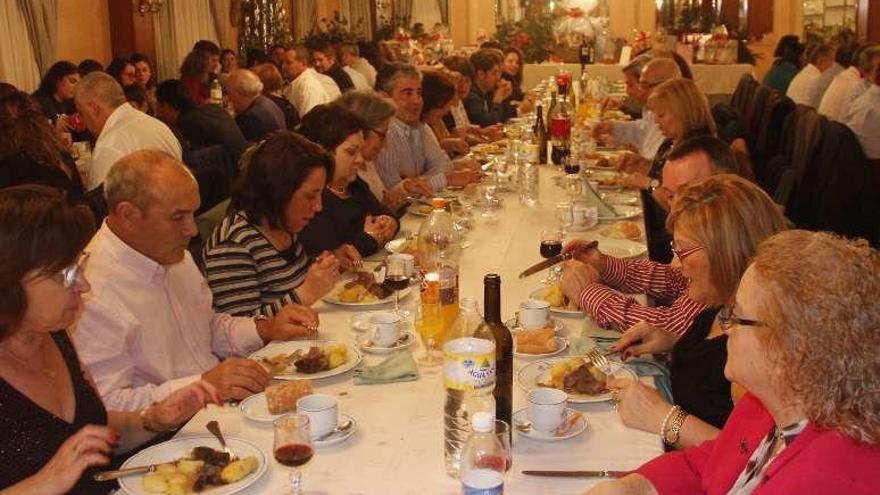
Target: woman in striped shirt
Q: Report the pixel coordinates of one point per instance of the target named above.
(253, 261)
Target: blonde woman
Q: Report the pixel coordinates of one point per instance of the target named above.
(680, 111)
(718, 224)
(803, 340)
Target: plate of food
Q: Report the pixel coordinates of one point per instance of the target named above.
(623, 230)
(191, 464)
(277, 400)
(419, 210)
(559, 303)
(619, 198)
(403, 245)
(607, 179)
(538, 343)
(622, 248)
(362, 290)
(576, 376)
(297, 360)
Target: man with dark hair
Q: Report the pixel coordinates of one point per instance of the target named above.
(324, 60)
(200, 126)
(692, 160)
(87, 66)
(308, 88)
(809, 85)
(485, 102)
(212, 50)
(276, 53)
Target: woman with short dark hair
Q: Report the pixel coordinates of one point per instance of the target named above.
(352, 216)
(789, 52)
(123, 71)
(254, 261)
(55, 93)
(56, 429)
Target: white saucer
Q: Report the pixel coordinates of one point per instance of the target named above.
(338, 437)
(360, 322)
(579, 427)
(256, 409)
(406, 339)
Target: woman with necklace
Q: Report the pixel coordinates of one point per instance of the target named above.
(352, 214)
(56, 430)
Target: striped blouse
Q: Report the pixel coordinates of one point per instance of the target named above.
(247, 275)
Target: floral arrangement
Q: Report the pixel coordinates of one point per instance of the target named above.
(334, 31)
(532, 34)
(642, 40)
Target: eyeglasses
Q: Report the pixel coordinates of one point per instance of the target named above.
(727, 320)
(685, 253)
(378, 133)
(75, 272)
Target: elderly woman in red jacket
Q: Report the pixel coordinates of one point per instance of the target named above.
(803, 340)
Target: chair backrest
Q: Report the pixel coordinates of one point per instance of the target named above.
(744, 92)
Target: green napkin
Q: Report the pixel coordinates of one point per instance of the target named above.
(398, 367)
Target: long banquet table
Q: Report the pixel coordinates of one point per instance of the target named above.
(397, 448)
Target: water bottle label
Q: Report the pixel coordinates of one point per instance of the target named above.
(466, 490)
(469, 363)
(482, 482)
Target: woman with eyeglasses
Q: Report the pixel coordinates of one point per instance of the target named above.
(56, 430)
(717, 225)
(352, 216)
(802, 339)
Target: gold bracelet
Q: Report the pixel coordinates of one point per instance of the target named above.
(675, 429)
(666, 423)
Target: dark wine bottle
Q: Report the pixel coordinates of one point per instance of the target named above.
(540, 132)
(493, 329)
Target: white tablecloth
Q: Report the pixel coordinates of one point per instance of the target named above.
(398, 447)
(711, 79)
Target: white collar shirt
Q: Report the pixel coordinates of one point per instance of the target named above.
(148, 329)
(358, 79)
(817, 90)
(642, 133)
(366, 68)
(128, 130)
(863, 118)
(846, 87)
(801, 84)
(308, 90)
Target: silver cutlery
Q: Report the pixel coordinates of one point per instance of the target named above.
(341, 427)
(214, 428)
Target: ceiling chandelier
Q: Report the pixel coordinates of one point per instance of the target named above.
(149, 6)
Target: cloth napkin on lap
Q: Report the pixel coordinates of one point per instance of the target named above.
(398, 367)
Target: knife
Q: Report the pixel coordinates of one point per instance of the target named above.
(119, 473)
(554, 260)
(579, 474)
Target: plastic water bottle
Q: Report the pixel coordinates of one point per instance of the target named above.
(216, 95)
(469, 379)
(468, 320)
(483, 459)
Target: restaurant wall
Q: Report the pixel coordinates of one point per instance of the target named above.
(83, 30)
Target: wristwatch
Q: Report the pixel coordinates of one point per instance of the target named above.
(653, 185)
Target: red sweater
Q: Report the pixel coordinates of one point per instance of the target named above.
(817, 462)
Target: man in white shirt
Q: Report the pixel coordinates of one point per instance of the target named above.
(121, 129)
(864, 117)
(350, 58)
(148, 327)
(850, 84)
(810, 83)
(308, 88)
(643, 133)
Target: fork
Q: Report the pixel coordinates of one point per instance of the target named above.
(599, 360)
(214, 428)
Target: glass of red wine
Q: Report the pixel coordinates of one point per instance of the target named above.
(397, 277)
(293, 446)
(551, 245)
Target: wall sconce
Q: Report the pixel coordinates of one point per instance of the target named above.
(149, 6)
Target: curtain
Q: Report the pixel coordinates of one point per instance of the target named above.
(221, 13)
(359, 16)
(41, 18)
(428, 13)
(305, 16)
(443, 5)
(178, 26)
(403, 9)
(18, 63)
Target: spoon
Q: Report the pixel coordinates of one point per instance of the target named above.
(523, 425)
(341, 427)
(214, 428)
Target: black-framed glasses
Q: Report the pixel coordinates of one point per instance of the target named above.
(379, 133)
(727, 319)
(681, 254)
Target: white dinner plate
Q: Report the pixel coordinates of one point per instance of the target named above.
(532, 374)
(406, 339)
(622, 248)
(618, 198)
(275, 348)
(255, 408)
(393, 246)
(622, 212)
(579, 427)
(561, 345)
(338, 436)
(540, 292)
(176, 448)
(332, 297)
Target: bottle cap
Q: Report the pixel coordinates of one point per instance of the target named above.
(483, 422)
(438, 203)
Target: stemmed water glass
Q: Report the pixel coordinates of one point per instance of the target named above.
(429, 323)
(293, 446)
(564, 216)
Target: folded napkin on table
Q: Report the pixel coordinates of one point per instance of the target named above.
(398, 367)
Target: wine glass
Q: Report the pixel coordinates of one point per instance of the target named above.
(293, 446)
(551, 245)
(429, 323)
(564, 216)
(397, 277)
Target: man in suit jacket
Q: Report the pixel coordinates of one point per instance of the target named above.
(255, 114)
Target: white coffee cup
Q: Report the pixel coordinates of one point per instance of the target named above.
(584, 216)
(322, 410)
(386, 328)
(546, 409)
(401, 264)
(533, 313)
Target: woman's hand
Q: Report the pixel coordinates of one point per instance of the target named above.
(381, 228)
(417, 187)
(393, 199)
(320, 279)
(180, 406)
(637, 180)
(349, 257)
(642, 338)
(576, 276)
(639, 405)
(90, 446)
